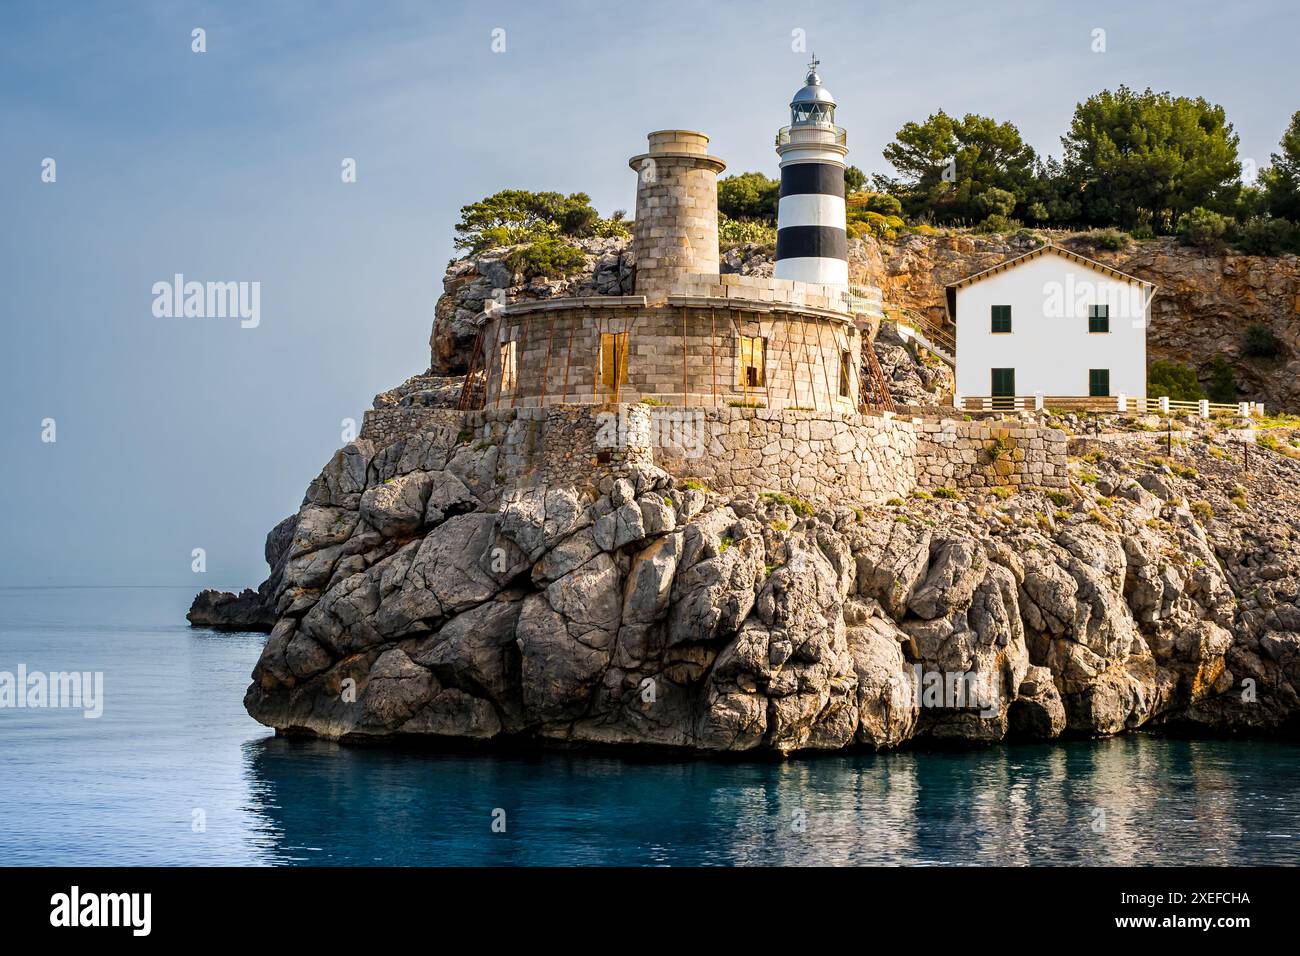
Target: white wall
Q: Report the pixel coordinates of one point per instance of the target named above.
(1049, 345)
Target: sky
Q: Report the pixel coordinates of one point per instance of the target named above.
(178, 433)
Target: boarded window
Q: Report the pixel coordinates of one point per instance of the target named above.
(1098, 318)
(1001, 318)
(753, 360)
(613, 358)
(846, 371)
(1098, 382)
(509, 371)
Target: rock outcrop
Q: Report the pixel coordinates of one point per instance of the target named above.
(610, 270)
(417, 599)
(248, 610)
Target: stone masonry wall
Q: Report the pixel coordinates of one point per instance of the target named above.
(961, 454)
(830, 459)
(676, 231)
(843, 459)
(672, 351)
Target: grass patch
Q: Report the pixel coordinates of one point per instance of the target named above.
(797, 505)
(950, 493)
(1059, 498)
(1203, 510)
(694, 484)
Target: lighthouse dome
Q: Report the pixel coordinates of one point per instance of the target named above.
(813, 104)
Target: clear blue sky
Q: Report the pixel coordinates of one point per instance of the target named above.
(182, 433)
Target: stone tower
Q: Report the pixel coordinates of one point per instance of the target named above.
(676, 230)
(811, 241)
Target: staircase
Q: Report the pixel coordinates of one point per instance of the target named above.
(927, 333)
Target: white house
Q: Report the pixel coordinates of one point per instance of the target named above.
(1051, 322)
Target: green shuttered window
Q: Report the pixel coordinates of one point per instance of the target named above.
(1098, 318)
(1001, 318)
(1098, 382)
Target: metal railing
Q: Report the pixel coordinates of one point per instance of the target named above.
(783, 134)
(864, 300)
(1110, 404)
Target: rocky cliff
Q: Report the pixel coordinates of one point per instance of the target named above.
(418, 593)
(420, 598)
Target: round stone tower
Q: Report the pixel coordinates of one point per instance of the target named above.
(811, 241)
(676, 230)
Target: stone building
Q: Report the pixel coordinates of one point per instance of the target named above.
(689, 336)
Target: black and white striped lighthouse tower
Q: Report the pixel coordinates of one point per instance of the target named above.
(811, 242)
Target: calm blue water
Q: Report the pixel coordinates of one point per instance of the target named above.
(174, 738)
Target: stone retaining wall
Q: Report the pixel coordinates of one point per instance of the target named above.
(842, 459)
(961, 454)
(831, 459)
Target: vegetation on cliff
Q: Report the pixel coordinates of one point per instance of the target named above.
(541, 224)
(1148, 163)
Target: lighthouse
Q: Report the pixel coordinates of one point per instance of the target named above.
(811, 241)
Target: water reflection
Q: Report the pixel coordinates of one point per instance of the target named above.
(1132, 800)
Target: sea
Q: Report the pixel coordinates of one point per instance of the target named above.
(172, 771)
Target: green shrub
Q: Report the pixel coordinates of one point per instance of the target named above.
(1176, 381)
(949, 493)
(740, 232)
(1203, 510)
(1266, 237)
(862, 223)
(797, 505)
(550, 258)
(1111, 239)
(1261, 342)
(1059, 498)
(996, 202)
(749, 196)
(997, 223)
(1223, 381)
(517, 216)
(1203, 227)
